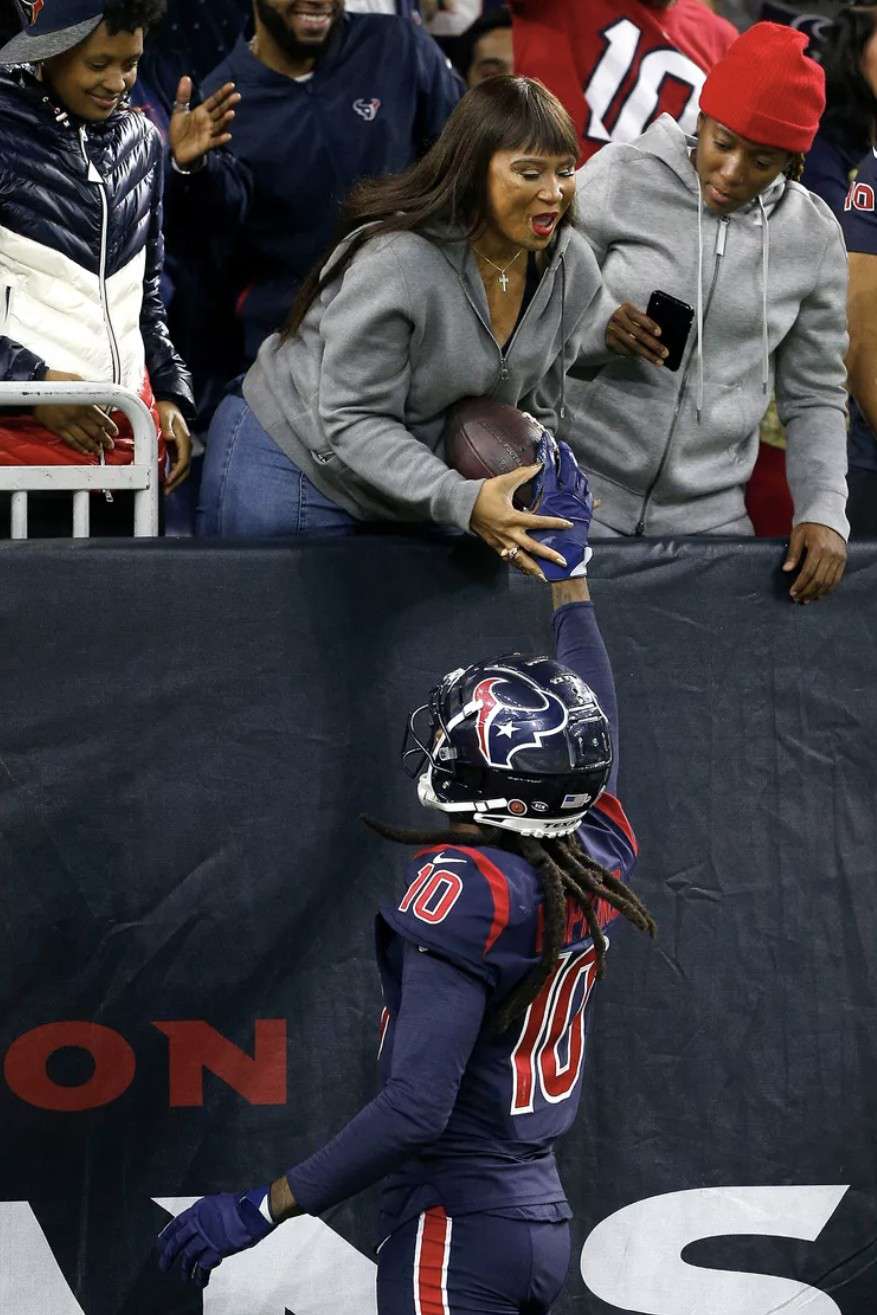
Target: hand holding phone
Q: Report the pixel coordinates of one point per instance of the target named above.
(630, 332)
(674, 318)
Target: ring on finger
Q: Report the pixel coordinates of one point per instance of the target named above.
(509, 554)
(182, 106)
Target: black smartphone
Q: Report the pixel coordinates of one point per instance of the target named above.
(675, 318)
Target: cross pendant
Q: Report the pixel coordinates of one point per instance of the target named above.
(504, 281)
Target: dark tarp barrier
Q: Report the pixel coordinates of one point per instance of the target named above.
(189, 1000)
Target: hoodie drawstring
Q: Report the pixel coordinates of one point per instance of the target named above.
(562, 338)
(699, 299)
(765, 271)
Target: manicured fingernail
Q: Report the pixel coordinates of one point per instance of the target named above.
(568, 524)
(561, 561)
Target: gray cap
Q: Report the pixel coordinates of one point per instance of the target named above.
(30, 47)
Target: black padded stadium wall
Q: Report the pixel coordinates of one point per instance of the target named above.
(189, 1001)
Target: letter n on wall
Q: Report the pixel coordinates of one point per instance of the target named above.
(194, 1046)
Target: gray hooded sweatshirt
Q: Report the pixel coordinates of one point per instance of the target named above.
(671, 453)
(358, 398)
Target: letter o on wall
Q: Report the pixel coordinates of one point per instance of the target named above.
(26, 1072)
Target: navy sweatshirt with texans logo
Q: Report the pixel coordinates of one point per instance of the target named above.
(264, 209)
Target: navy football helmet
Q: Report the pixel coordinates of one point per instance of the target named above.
(519, 743)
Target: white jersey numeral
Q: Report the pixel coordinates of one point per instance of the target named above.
(622, 43)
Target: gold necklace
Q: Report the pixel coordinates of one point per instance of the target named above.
(503, 279)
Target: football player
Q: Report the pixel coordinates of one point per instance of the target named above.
(487, 963)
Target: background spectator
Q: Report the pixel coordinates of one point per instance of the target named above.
(618, 64)
(848, 54)
(450, 19)
(461, 278)
(79, 277)
(487, 48)
(860, 231)
(722, 228)
(812, 17)
(326, 98)
(194, 36)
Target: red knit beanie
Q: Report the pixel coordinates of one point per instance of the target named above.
(767, 89)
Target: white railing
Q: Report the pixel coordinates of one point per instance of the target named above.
(82, 481)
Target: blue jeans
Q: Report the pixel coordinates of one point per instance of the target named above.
(251, 489)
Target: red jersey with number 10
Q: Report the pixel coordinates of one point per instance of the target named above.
(618, 64)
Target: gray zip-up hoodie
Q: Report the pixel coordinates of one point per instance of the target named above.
(670, 453)
(358, 398)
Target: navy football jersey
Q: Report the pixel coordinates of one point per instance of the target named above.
(481, 910)
(860, 209)
(859, 222)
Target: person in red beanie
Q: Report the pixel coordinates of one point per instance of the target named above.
(618, 64)
(719, 222)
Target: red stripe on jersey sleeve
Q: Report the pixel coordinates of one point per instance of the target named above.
(610, 807)
(499, 892)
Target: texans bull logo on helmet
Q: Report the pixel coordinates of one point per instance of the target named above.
(32, 10)
(500, 701)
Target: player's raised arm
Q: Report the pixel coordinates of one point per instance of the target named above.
(578, 644)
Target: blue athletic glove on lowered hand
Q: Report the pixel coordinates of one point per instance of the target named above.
(211, 1229)
(562, 490)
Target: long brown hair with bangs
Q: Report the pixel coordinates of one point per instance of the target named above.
(449, 186)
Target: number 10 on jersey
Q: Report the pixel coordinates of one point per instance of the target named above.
(549, 1052)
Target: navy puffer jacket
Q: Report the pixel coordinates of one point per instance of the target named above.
(81, 246)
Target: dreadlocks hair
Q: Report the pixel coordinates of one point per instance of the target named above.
(566, 873)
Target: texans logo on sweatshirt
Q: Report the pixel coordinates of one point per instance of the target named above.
(367, 109)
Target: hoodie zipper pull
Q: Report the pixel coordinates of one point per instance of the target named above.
(722, 236)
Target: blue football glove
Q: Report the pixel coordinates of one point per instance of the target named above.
(562, 490)
(211, 1229)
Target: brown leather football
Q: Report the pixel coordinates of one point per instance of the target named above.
(484, 438)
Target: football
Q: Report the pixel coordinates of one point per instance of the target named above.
(486, 438)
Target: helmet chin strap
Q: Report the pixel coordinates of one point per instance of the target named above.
(529, 826)
(480, 813)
